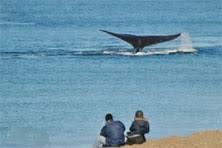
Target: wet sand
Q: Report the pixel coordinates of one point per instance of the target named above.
(207, 139)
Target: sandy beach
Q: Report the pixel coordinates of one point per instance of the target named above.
(207, 139)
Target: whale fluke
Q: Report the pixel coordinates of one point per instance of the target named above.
(139, 42)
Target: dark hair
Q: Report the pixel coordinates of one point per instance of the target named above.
(108, 117)
(139, 114)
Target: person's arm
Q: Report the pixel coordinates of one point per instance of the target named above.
(124, 128)
(132, 127)
(146, 127)
(103, 132)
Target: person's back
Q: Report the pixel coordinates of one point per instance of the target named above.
(114, 133)
(138, 129)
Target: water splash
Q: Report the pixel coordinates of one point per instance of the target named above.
(186, 43)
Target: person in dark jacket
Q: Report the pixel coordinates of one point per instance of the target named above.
(138, 129)
(112, 134)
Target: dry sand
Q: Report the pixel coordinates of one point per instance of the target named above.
(208, 139)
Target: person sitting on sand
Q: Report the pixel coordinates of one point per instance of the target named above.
(112, 134)
(138, 129)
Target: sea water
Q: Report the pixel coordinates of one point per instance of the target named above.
(59, 75)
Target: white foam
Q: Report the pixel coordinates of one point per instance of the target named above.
(148, 53)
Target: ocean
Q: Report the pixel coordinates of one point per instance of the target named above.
(60, 75)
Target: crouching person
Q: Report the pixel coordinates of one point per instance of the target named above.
(112, 134)
(138, 129)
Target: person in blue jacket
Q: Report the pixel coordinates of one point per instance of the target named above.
(138, 129)
(112, 134)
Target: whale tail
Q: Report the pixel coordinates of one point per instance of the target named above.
(139, 42)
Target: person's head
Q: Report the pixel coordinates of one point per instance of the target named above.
(109, 117)
(139, 115)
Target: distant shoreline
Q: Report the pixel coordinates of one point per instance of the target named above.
(206, 139)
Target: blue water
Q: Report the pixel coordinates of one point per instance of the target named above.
(57, 81)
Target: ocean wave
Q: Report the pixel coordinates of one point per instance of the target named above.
(16, 23)
(107, 52)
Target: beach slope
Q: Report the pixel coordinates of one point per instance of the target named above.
(207, 139)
